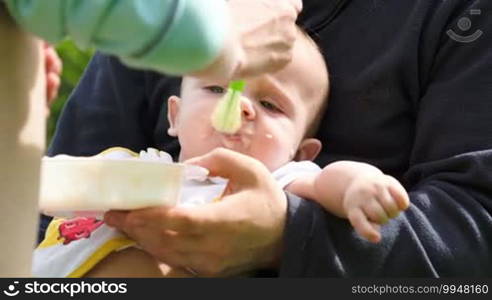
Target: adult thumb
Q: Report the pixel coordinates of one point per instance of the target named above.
(231, 165)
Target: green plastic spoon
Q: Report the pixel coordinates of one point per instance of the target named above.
(226, 117)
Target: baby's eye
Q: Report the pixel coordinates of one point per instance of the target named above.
(216, 89)
(270, 106)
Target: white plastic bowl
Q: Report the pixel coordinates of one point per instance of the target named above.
(89, 186)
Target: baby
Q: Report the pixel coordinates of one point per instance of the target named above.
(280, 114)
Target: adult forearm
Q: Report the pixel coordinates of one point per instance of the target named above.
(172, 36)
(22, 136)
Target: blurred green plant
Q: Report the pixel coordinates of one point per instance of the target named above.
(74, 63)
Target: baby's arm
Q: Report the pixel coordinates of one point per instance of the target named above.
(356, 191)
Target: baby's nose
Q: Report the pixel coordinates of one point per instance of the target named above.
(247, 109)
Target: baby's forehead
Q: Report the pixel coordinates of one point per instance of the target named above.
(307, 72)
(305, 77)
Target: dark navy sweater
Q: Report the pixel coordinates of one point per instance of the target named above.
(406, 96)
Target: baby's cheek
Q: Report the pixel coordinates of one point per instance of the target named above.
(275, 151)
(196, 141)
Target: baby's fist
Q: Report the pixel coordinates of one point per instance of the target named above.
(371, 201)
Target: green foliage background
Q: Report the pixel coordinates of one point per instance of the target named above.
(74, 63)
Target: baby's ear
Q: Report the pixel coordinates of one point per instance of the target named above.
(172, 115)
(308, 150)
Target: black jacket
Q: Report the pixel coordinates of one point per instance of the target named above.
(405, 96)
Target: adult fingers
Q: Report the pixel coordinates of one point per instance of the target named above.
(53, 85)
(228, 164)
(160, 219)
(53, 63)
(53, 68)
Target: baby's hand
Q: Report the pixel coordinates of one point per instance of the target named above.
(371, 200)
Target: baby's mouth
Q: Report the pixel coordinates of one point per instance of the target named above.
(237, 142)
(237, 137)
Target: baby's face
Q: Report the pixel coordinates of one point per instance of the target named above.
(276, 110)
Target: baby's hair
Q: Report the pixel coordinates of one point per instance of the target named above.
(312, 127)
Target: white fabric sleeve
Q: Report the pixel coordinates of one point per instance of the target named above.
(293, 170)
